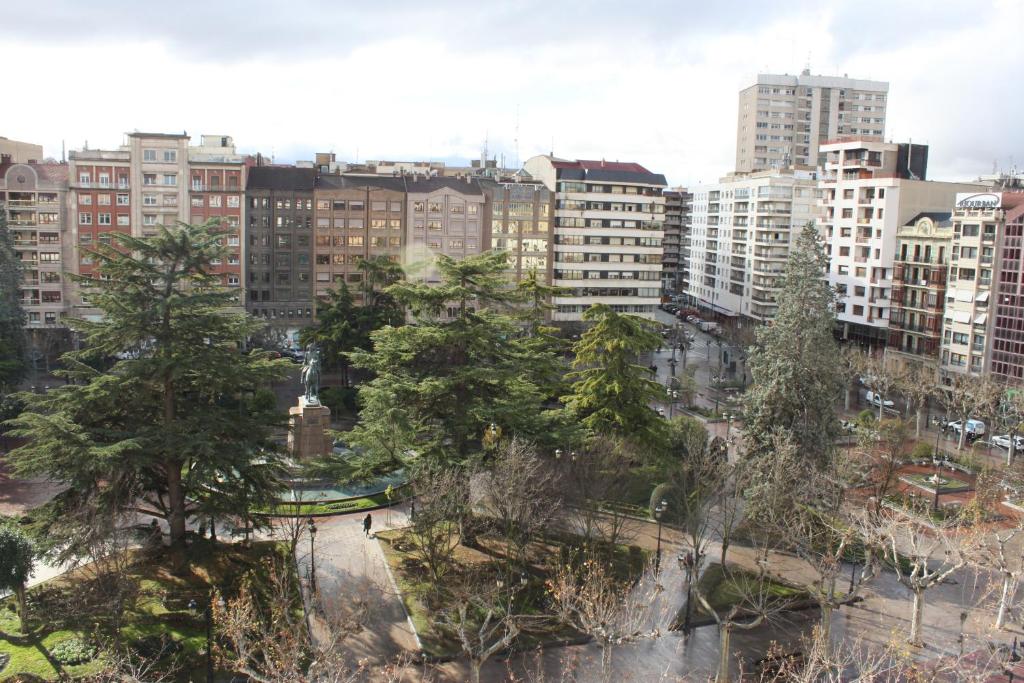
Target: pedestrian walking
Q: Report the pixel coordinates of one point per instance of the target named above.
(367, 523)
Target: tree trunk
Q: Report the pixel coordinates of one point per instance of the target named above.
(606, 660)
(724, 631)
(962, 436)
(1011, 452)
(826, 626)
(176, 514)
(881, 407)
(725, 549)
(474, 670)
(917, 425)
(846, 399)
(1004, 601)
(22, 599)
(915, 622)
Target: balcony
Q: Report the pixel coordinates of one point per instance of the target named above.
(100, 185)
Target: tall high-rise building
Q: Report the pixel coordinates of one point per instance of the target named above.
(609, 226)
(983, 327)
(740, 237)
(870, 190)
(279, 245)
(33, 197)
(783, 119)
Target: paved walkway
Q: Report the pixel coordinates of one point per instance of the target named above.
(351, 574)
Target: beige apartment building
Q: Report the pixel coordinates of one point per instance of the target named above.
(34, 198)
(15, 152)
(518, 222)
(783, 120)
(356, 218)
(739, 240)
(444, 216)
(871, 189)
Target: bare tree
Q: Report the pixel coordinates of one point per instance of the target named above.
(921, 557)
(592, 491)
(849, 369)
(998, 555)
(966, 396)
(880, 377)
(483, 617)
(441, 505)
(611, 611)
(877, 465)
(918, 384)
(520, 493)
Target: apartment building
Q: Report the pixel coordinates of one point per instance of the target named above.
(742, 230)
(783, 119)
(444, 216)
(677, 224)
(356, 218)
(517, 220)
(980, 337)
(919, 290)
(33, 197)
(155, 179)
(279, 245)
(608, 232)
(870, 189)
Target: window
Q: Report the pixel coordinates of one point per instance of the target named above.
(417, 207)
(49, 256)
(122, 200)
(170, 156)
(473, 209)
(215, 200)
(379, 206)
(458, 208)
(103, 219)
(84, 178)
(149, 178)
(434, 225)
(355, 206)
(149, 219)
(455, 244)
(85, 199)
(233, 201)
(170, 179)
(149, 200)
(103, 199)
(122, 219)
(355, 240)
(149, 155)
(84, 218)
(434, 207)
(197, 202)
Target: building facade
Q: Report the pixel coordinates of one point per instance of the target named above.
(608, 232)
(784, 119)
(983, 327)
(677, 224)
(356, 218)
(517, 221)
(445, 216)
(15, 152)
(742, 230)
(216, 189)
(279, 245)
(33, 198)
(919, 290)
(870, 189)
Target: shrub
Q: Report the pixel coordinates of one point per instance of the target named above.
(340, 399)
(73, 651)
(922, 451)
(669, 493)
(866, 416)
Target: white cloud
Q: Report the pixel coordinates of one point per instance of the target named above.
(657, 84)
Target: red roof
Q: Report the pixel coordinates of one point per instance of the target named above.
(594, 164)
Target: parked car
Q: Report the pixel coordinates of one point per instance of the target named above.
(693, 319)
(847, 427)
(876, 400)
(296, 355)
(974, 429)
(1003, 441)
(708, 326)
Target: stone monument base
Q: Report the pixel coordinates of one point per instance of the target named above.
(307, 430)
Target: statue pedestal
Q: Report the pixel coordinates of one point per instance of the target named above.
(307, 430)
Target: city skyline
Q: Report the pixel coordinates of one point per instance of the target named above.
(437, 84)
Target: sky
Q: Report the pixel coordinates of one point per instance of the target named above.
(652, 82)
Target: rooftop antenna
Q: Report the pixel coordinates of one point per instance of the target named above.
(483, 156)
(63, 153)
(552, 145)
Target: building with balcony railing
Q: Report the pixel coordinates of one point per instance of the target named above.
(983, 325)
(739, 240)
(870, 190)
(608, 232)
(677, 225)
(919, 290)
(33, 199)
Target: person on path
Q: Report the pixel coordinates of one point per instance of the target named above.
(367, 523)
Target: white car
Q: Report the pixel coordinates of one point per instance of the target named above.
(975, 428)
(1003, 441)
(876, 400)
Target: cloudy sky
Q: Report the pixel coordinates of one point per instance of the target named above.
(653, 82)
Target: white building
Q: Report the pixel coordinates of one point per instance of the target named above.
(742, 229)
(870, 189)
(609, 225)
(783, 119)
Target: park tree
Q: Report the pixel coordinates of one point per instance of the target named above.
(611, 392)
(880, 375)
(967, 396)
(17, 560)
(13, 344)
(445, 380)
(169, 421)
(343, 325)
(795, 364)
(918, 384)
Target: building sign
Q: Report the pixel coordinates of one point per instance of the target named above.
(986, 200)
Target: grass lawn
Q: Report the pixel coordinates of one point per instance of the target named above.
(724, 589)
(949, 484)
(414, 584)
(64, 608)
(338, 507)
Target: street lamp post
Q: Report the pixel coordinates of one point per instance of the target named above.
(312, 557)
(659, 510)
(673, 396)
(938, 480)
